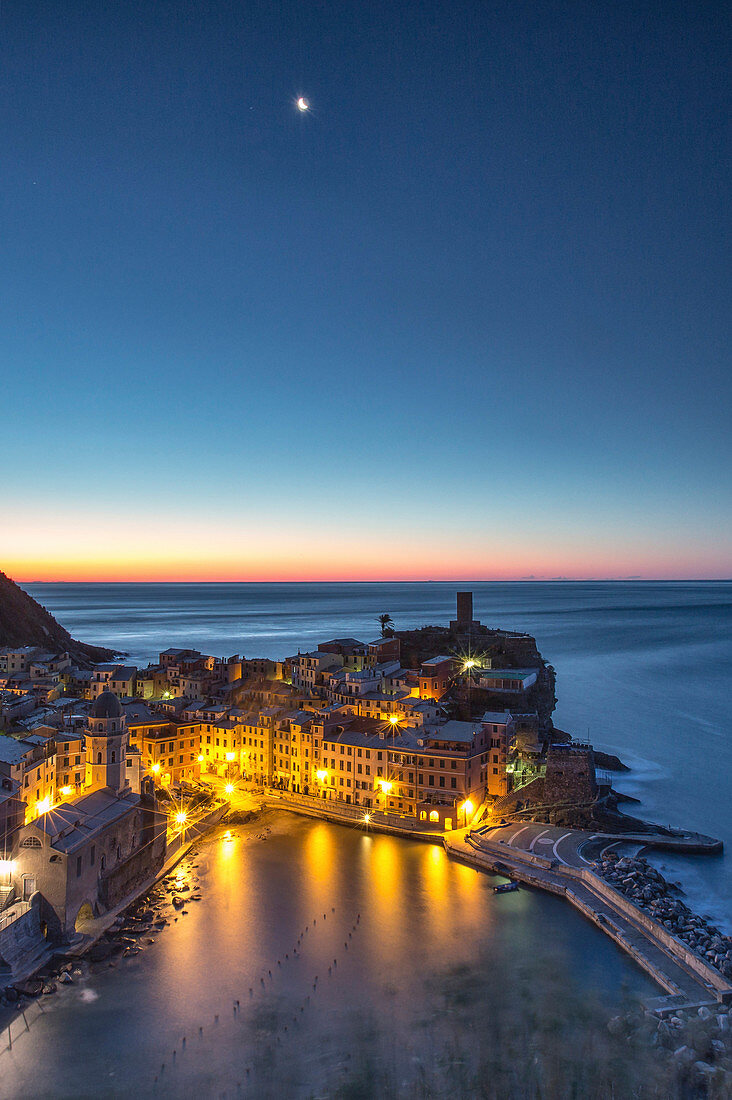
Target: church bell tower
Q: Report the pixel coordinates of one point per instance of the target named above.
(106, 745)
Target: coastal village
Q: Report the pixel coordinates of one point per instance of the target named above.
(108, 772)
(94, 761)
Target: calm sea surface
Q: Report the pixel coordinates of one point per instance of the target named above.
(645, 668)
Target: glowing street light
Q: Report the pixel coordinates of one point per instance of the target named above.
(181, 817)
(321, 776)
(385, 785)
(66, 791)
(467, 808)
(155, 768)
(229, 788)
(468, 664)
(367, 818)
(230, 756)
(200, 759)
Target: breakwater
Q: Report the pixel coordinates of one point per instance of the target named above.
(683, 975)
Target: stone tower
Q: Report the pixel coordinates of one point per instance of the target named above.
(106, 745)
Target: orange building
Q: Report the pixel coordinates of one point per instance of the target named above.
(435, 677)
(169, 749)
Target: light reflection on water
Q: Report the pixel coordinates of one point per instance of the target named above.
(420, 931)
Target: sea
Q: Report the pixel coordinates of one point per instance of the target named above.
(643, 669)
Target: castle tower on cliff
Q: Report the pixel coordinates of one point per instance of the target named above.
(464, 622)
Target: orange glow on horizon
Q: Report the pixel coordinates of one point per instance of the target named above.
(216, 552)
(347, 565)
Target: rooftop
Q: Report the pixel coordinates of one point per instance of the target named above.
(452, 731)
(12, 751)
(74, 823)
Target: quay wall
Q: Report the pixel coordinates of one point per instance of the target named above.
(23, 946)
(347, 815)
(562, 890)
(521, 863)
(610, 928)
(677, 947)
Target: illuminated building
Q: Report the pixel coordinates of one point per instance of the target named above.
(86, 854)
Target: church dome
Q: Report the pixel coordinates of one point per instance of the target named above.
(107, 705)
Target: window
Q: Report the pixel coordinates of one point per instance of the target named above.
(78, 866)
(114, 757)
(92, 854)
(99, 758)
(31, 842)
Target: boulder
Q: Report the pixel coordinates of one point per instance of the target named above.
(33, 987)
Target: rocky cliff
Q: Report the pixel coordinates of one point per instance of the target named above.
(506, 650)
(24, 622)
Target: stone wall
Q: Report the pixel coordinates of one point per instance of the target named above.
(570, 775)
(22, 943)
(125, 878)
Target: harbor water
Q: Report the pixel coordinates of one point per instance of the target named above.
(327, 961)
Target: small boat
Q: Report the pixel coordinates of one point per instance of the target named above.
(506, 888)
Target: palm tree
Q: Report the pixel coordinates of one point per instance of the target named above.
(387, 625)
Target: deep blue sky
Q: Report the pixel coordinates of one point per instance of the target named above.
(469, 316)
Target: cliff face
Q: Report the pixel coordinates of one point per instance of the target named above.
(24, 622)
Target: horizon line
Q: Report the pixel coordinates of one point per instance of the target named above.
(391, 580)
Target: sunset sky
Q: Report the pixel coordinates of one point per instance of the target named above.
(465, 318)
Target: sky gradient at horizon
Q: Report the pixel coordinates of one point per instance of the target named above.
(466, 318)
